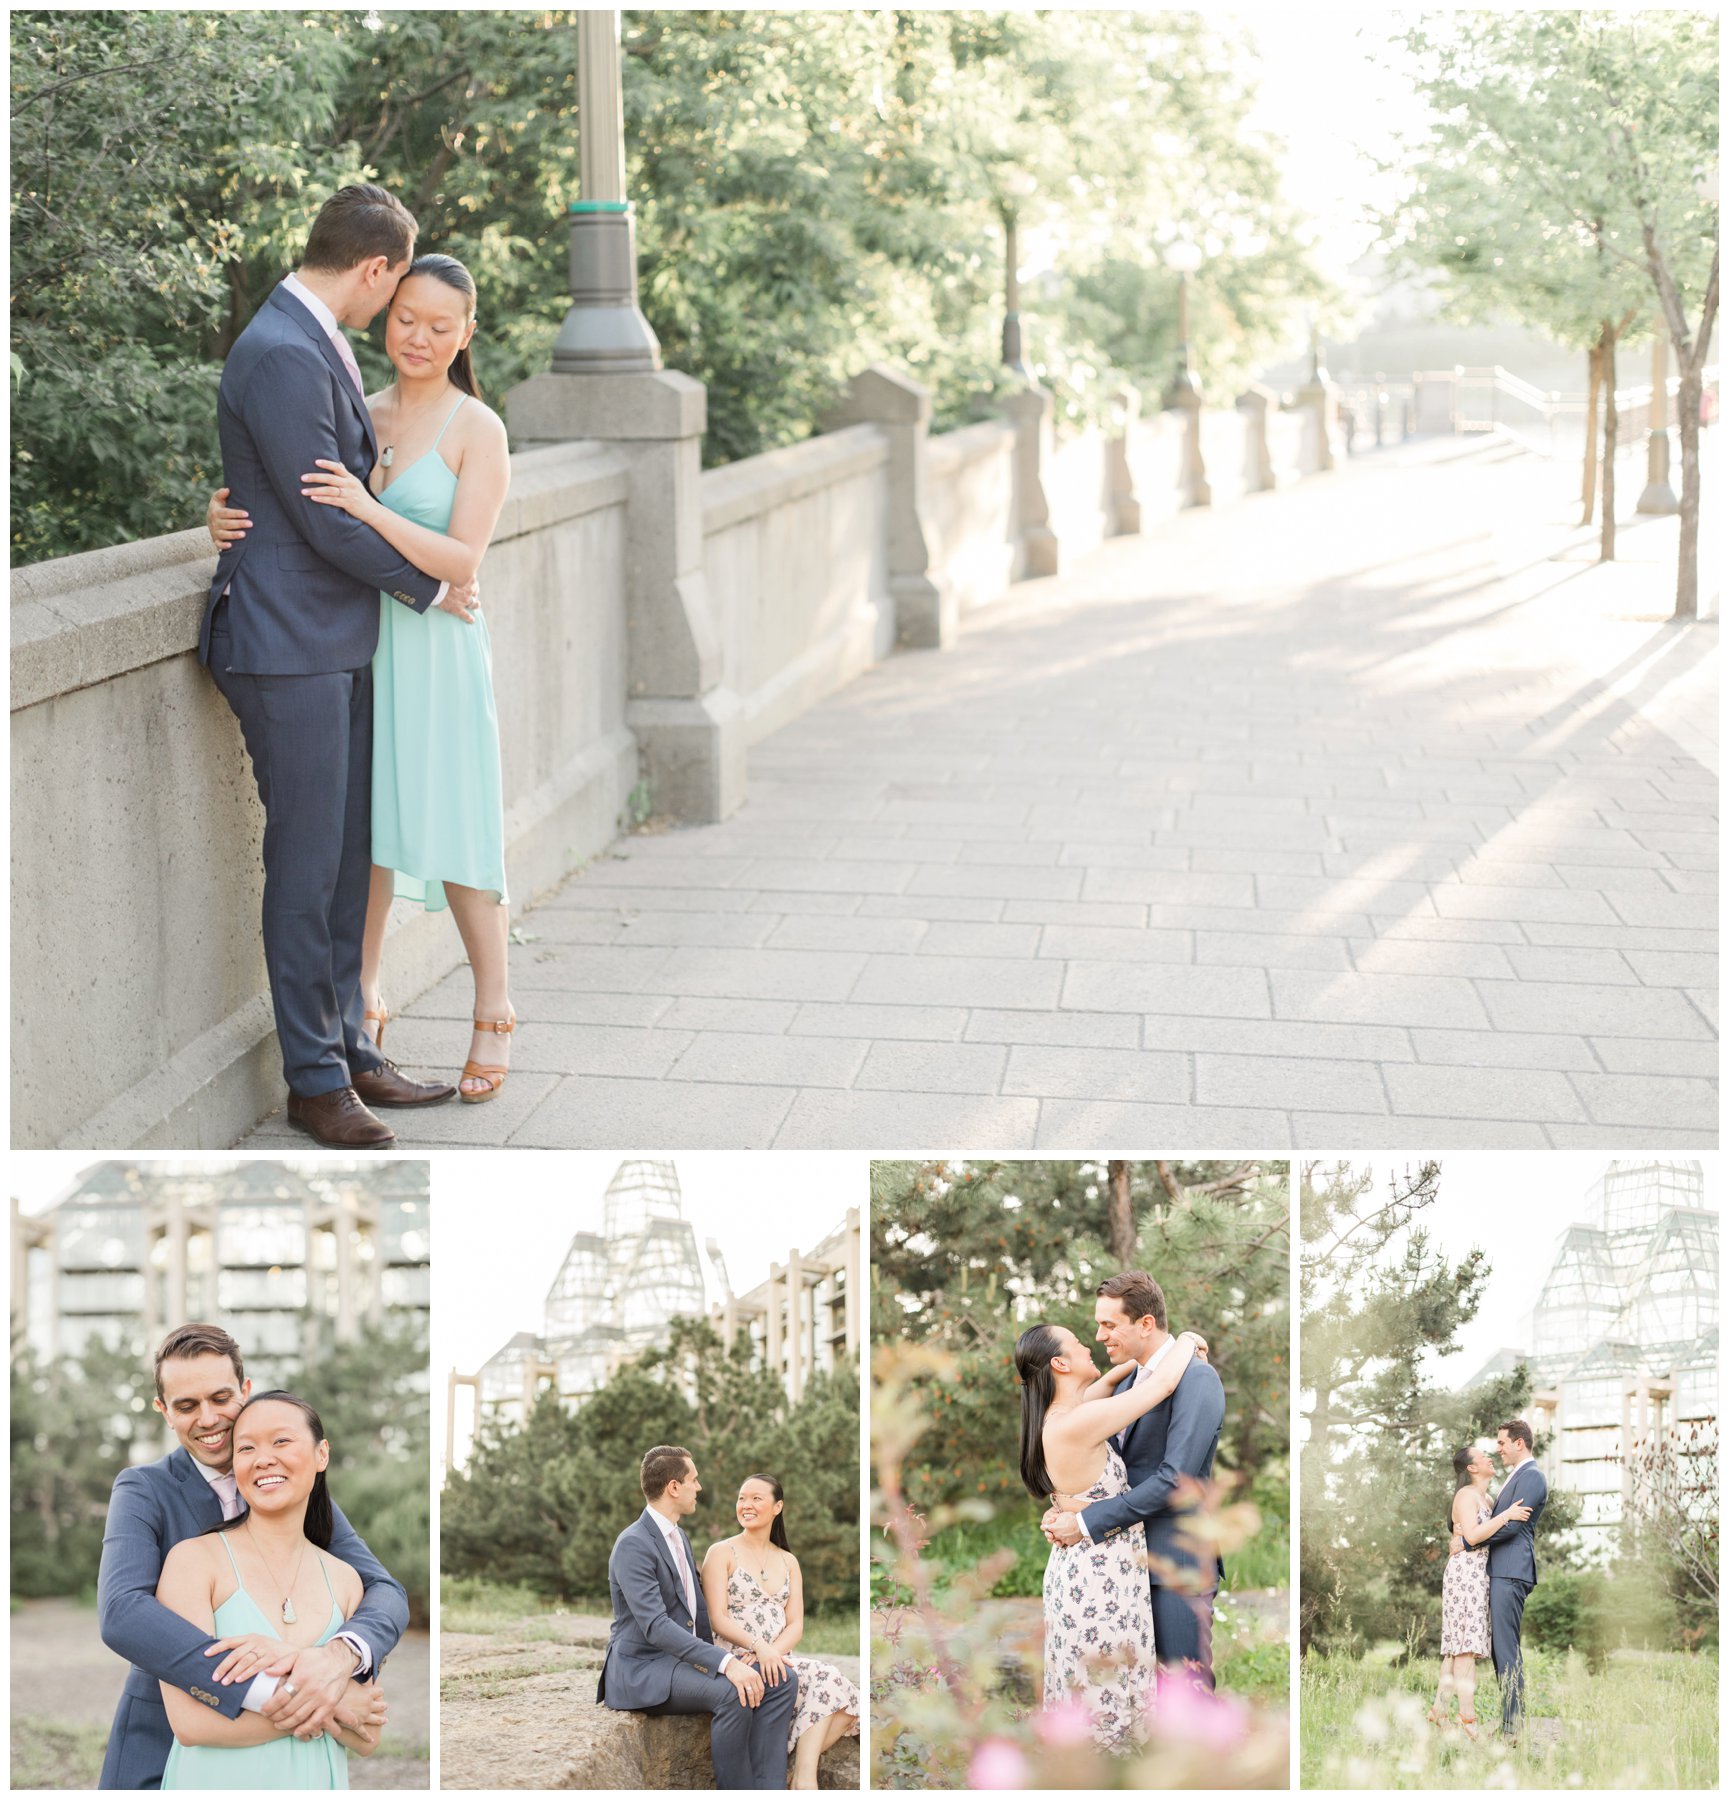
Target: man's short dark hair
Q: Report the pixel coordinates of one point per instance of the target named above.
(1138, 1293)
(1517, 1428)
(664, 1464)
(186, 1341)
(356, 224)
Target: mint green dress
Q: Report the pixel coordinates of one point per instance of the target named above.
(437, 782)
(286, 1762)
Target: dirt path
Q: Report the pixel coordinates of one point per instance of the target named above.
(63, 1675)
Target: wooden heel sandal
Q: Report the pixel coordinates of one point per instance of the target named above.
(492, 1074)
(381, 1018)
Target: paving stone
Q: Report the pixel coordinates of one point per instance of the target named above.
(1255, 1037)
(886, 1121)
(1098, 943)
(723, 929)
(1377, 999)
(1691, 912)
(1155, 987)
(934, 1068)
(617, 969)
(777, 874)
(1072, 1072)
(752, 1057)
(959, 981)
(999, 883)
(1650, 1100)
(1503, 1049)
(1657, 1056)
(824, 931)
(693, 1013)
(1290, 1082)
(1079, 1127)
(1560, 906)
(1409, 956)
(600, 1113)
(1629, 1137)
(1367, 1131)
(1103, 1031)
(1483, 1093)
(849, 1019)
(760, 974)
(1589, 1011)
(953, 937)
(1545, 963)
(930, 907)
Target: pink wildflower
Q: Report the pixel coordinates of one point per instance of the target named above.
(997, 1763)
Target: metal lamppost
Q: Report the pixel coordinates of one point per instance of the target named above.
(1017, 185)
(604, 331)
(1183, 392)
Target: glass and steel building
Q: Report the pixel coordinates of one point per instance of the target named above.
(284, 1255)
(1622, 1344)
(617, 1290)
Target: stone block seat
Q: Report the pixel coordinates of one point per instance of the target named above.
(520, 1712)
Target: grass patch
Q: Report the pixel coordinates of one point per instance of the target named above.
(1250, 1656)
(832, 1632)
(1265, 1560)
(485, 1608)
(47, 1753)
(1648, 1721)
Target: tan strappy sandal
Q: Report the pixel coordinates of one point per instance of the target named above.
(381, 1018)
(492, 1074)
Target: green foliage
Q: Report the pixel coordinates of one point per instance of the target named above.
(814, 191)
(1563, 1612)
(540, 1505)
(78, 1422)
(967, 1255)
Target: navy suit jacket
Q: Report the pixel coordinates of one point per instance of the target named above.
(153, 1508)
(303, 584)
(652, 1627)
(1512, 1550)
(1177, 1437)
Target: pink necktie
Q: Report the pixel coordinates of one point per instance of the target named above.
(684, 1571)
(348, 362)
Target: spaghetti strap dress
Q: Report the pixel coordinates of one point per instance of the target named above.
(285, 1762)
(437, 781)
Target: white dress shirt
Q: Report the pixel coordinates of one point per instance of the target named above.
(261, 1687)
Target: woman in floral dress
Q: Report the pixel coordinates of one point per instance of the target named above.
(1098, 1600)
(1465, 1587)
(755, 1596)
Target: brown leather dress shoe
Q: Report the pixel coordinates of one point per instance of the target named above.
(388, 1086)
(339, 1121)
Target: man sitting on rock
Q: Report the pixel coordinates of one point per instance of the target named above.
(662, 1657)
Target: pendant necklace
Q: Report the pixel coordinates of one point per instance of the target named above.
(289, 1616)
(389, 453)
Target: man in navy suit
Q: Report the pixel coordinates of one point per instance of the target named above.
(1513, 1568)
(200, 1388)
(288, 635)
(662, 1657)
(1176, 1440)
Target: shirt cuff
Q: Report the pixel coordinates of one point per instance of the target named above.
(361, 1649)
(438, 598)
(723, 1663)
(258, 1691)
(1081, 1521)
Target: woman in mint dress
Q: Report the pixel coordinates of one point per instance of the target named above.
(267, 1573)
(437, 790)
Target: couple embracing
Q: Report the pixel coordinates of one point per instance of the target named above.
(255, 1619)
(343, 629)
(1128, 1593)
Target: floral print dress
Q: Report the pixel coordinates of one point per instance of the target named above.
(822, 1689)
(1465, 1599)
(1099, 1624)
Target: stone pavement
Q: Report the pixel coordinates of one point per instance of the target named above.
(1367, 813)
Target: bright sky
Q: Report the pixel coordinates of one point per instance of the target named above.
(1514, 1206)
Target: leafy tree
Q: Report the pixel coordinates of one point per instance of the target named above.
(966, 1255)
(541, 1503)
(1568, 152)
(814, 190)
(1377, 1474)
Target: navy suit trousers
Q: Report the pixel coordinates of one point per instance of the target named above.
(310, 740)
(1506, 1617)
(1183, 1630)
(747, 1744)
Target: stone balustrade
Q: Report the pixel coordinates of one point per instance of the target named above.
(650, 621)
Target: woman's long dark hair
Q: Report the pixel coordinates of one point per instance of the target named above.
(320, 1518)
(777, 1531)
(1461, 1477)
(1034, 1349)
(448, 270)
